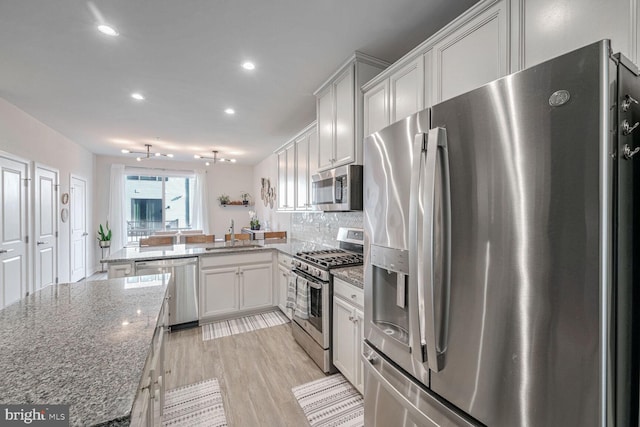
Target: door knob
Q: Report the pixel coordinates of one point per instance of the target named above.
(40, 243)
(85, 234)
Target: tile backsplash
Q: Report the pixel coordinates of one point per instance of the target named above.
(322, 228)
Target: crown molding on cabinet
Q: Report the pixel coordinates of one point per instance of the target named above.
(356, 57)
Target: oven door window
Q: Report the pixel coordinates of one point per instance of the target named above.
(322, 191)
(315, 307)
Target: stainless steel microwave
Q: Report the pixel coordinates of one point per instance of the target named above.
(338, 189)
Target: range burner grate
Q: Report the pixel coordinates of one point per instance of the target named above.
(328, 258)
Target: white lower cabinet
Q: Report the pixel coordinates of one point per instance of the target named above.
(233, 284)
(283, 285)
(218, 291)
(282, 280)
(255, 286)
(348, 331)
(148, 404)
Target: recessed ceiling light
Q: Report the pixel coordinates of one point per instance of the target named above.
(249, 66)
(108, 30)
(207, 164)
(233, 160)
(196, 156)
(125, 151)
(230, 111)
(137, 96)
(169, 155)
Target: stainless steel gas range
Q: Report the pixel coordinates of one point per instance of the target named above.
(312, 314)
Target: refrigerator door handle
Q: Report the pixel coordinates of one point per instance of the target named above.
(423, 249)
(417, 335)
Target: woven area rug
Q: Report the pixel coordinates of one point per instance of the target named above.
(194, 405)
(225, 328)
(331, 402)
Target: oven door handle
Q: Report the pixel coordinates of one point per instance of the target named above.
(314, 285)
(311, 283)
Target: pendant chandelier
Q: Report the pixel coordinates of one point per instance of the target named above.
(215, 158)
(145, 155)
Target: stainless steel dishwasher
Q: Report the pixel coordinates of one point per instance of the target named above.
(182, 288)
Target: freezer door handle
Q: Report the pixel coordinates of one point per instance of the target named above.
(430, 247)
(407, 404)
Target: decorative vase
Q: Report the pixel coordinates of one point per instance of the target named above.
(104, 243)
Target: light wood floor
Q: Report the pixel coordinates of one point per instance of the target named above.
(256, 371)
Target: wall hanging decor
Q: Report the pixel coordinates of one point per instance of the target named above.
(267, 193)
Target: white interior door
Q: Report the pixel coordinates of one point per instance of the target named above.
(13, 229)
(78, 222)
(46, 226)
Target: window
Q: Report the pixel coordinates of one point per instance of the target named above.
(157, 203)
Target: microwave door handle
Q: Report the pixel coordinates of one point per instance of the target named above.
(436, 143)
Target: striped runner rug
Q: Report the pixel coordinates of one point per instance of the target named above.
(225, 328)
(194, 405)
(331, 402)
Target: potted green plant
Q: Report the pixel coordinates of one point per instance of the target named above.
(255, 224)
(223, 199)
(104, 235)
(245, 198)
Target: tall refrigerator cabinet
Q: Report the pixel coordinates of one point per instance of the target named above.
(501, 253)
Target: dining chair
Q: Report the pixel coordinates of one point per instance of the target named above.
(157, 241)
(275, 235)
(199, 238)
(239, 236)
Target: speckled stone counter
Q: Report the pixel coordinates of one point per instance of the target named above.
(82, 344)
(353, 275)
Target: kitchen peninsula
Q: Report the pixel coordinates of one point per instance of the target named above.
(81, 344)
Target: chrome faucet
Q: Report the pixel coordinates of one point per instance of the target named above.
(232, 229)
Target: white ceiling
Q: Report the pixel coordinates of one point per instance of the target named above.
(185, 56)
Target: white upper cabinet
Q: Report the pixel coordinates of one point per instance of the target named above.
(406, 93)
(285, 180)
(296, 160)
(340, 112)
(551, 27)
(325, 128)
(306, 158)
(376, 108)
(467, 53)
(474, 54)
(344, 147)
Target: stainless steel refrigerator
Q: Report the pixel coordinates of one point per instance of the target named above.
(501, 253)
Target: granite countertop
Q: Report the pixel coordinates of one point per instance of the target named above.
(287, 246)
(83, 344)
(353, 275)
